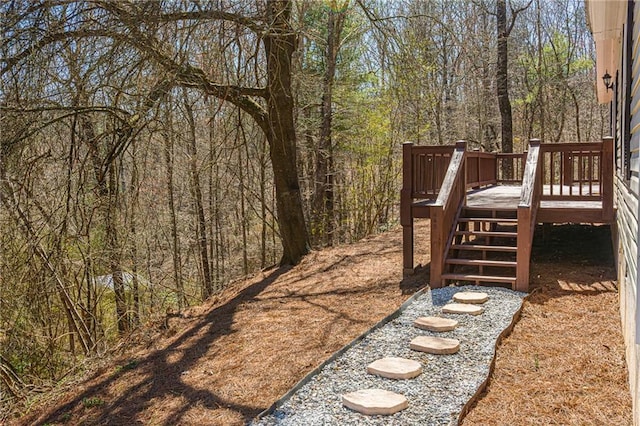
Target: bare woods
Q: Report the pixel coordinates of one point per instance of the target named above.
(153, 151)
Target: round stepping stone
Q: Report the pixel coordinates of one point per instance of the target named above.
(473, 297)
(435, 345)
(435, 323)
(462, 308)
(395, 368)
(375, 401)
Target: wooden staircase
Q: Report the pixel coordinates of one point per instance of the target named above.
(483, 247)
(483, 218)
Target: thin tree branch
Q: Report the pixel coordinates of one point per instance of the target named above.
(514, 15)
(10, 62)
(189, 76)
(248, 22)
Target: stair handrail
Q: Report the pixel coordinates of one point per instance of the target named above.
(527, 210)
(452, 194)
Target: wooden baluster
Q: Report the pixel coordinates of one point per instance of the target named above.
(591, 174)
(552, 167)
(580, 172)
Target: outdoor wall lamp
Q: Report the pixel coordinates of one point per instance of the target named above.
(606, 78)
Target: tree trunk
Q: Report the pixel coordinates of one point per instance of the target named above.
(279, 46)
(263, 205)
(113, 251)
(196, 192)
(323, 194)
(241, 142)
(503, 83)
(107, 189)
(177, 260)
(541, 78)
(133, 240)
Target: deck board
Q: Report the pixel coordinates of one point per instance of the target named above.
(508, 197)
(496, 196)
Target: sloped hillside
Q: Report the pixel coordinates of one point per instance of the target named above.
(224, 362)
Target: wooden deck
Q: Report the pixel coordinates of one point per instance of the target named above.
(495, 196)
(481, 204)
(506, 197)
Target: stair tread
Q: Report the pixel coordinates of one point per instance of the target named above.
(488, 219)
(489, 213)
(492, 208)
(475, 277)
(483, 247)
(481, 262)
(488, 233)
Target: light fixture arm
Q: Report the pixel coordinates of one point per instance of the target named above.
(606, 79)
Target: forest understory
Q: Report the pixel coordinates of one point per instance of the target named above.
(225, 361)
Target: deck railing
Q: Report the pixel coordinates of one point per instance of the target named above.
(423, 171)
(445, 210)
(579, 172)
(423, 174)
(572, 171)
(425, 168)
(481, 169)
(510, 161)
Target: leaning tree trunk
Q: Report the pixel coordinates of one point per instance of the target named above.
(503, 84)
(279, 46)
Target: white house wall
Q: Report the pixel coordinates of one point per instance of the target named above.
(627, 191)
(620, 57)
(627, 238)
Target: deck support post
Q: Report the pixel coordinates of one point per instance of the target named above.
(407, 250)
(406, 218)
(527, 212)
(607, 179)
(523, 254)
(437, 247)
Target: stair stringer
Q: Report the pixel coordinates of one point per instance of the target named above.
(451, 258)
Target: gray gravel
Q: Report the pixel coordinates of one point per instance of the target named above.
(436, 397)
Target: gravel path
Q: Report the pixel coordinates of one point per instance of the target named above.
(436, 397)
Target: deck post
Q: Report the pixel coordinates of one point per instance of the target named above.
(437, 247)
(607, 179)
(406, 218)
(527, 211)
(523, 255)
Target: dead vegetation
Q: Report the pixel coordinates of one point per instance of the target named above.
(226, 361)
(563, 364)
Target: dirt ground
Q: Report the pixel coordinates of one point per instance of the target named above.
(224, 362)
(563, 363)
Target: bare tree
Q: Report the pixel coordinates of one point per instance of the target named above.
(502, 74)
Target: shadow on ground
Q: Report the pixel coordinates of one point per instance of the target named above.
(571, 259)
(229, 359)
(163, 376)
(573, 244)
